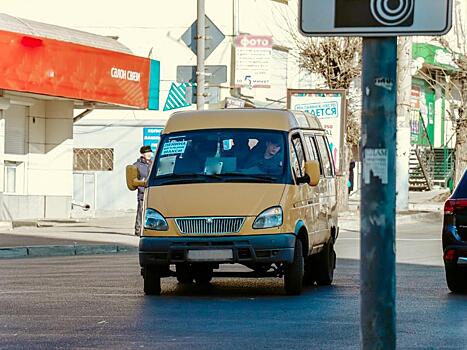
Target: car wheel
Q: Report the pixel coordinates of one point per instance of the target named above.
(152, 281)
(184, 274)
(457, 282)
(293, 273)
(324, 265)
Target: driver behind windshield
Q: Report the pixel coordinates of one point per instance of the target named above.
(271, 161)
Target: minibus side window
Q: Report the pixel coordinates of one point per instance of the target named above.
(314, 151)
(298, 156)
(323, 150)
(312, 147)
(333, 165)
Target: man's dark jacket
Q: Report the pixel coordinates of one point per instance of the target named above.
(143, 171)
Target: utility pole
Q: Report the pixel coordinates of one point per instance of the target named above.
(404, 88)
(235, 31)
(377, 215)
(200, 53)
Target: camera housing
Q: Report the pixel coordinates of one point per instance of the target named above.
(374, 13)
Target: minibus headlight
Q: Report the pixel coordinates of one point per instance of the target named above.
(153, 220)
(271, 217)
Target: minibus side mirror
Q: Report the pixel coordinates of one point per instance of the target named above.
(132, 181)
(312, 171)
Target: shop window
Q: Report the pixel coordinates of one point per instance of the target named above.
(93, 159)
(11, 170)
(15, 130)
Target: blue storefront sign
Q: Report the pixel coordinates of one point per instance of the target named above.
(152, 136)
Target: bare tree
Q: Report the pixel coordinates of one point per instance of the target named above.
(337, 61)
(460, 113)
(458, 84)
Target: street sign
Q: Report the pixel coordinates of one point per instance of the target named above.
(212, 94)
(253, 58)
(214, 74)
(375, 17)
(232, 102)
(152, 136)
(213, 37)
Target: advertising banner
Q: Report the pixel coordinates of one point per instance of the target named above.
(329, 107)
(253, 55)
(58, 68)
(152, 136)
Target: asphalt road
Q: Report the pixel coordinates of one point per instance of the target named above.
(97, 302)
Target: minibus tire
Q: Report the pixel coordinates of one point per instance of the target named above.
(152, 281)
(184, 274)
(325, 262)
(309, 275)
(293, 273)
(203, 275)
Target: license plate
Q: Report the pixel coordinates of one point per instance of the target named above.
(210, 255)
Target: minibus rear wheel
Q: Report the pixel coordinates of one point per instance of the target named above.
(184, 274)
(309, 275)
(203, 274)
(152, 281)
(293, 273)
(324, 264)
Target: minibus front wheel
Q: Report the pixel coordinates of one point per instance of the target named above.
(293, 272)
(152, 281)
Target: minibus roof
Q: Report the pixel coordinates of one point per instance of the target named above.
(242, 118)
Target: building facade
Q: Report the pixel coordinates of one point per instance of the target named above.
(48, 74)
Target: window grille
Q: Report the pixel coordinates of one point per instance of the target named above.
(93, 159)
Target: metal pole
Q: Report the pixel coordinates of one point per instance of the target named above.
(200, 52)
(378, 150)
(235, 31)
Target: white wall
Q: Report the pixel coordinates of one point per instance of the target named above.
(112, 195)
(51, 148)
(44, 154)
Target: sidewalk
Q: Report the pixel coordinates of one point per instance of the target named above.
(422, 205)
(115, 234)
(69, 237)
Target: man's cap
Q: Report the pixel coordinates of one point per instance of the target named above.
(145, 149)
(275, 139)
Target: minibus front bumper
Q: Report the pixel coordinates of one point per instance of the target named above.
(265, 248)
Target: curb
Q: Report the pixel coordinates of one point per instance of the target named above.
(63, 250)
(349, 224)
(43, 223)
(403, 219)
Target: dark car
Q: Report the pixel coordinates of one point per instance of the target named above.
(455, 238)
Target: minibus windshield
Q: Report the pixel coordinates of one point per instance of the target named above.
(233, 155)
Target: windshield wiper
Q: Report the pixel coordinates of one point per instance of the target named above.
(249, 177)
(186, 178)
(179, 178)
(190, 178)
